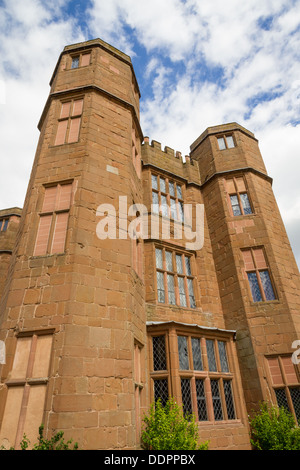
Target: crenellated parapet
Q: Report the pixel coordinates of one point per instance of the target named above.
(170, 161)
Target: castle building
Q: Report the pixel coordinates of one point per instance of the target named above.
(113, 294)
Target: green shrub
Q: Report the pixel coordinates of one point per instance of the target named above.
(55, 443)
(274, 428)
(166, 428)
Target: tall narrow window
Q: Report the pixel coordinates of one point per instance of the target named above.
(199, 372)
(167, 197)
(69, 122)
(3, 225)
(53, 223)
(81, 60)
(238, 196)
(160, 378)
(226, 142)
(286, 383)
(175, 282)
(258, 274)
(27, 388)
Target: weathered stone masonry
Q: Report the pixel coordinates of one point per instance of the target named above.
(96, 329)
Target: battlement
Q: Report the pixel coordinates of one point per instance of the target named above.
(169, 160)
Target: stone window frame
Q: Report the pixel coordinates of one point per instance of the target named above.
(173, 375)
(166, 272)
(280, 377)
(139, 384)
(81, 61)
(240, 188)
(4, 224)
(53, 216)
(224, 139)
(65, 121)
(29, 380)
(166, 209)
(257, 270)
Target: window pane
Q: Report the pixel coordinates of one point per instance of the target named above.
(5, 224)
(223, 356)
(173, 209)
(155, 202)
(229, 399)
(281, 399)
(246, 204)
(183, 353)
(179, 191)
(221, 143)
(164, 206)
(191, 293)
(182, 292)
(169, 262)
(230, 142)
(154, 181)
(181, 211)
(201, 401)
(197, 357)
(186, 397)
(160, 287)
(235, 205)
(188, 266)
(254, 286)
(161, 391)
(75, 62)
(159, 258)
(171, 289)
(212, 365)
(217, 405)
(159, 353)
(171, 188)
(179, 264)
(267, 286)
(162, 185)
(295, 396)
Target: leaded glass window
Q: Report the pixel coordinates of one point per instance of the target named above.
(186, 397)
(174, 273)
(183, 353)
(216, 399)
(267, 286)
(229, 399)
(197, 356)
(238, 196)
(159, 353)
(211, 355)
(161, 391)
(201, 400)
(223, 356)
(167, 197)
(258, 274)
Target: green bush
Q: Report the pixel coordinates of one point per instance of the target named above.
(274, 428)
(55, 443)
(166, 428)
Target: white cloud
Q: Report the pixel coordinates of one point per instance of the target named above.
(208, 62)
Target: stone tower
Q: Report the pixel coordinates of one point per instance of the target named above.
(257, 273)
(74, 315)
(113, 297)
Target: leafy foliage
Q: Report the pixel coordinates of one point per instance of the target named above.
(166, 428)
(274, 428)
(55, 443)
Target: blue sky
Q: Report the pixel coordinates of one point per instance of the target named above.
(199, 63)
